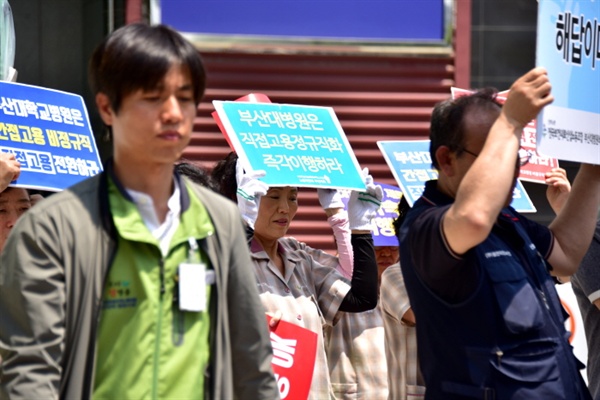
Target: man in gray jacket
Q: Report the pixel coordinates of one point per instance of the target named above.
(135, 283)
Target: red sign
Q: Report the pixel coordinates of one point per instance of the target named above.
(294, 352)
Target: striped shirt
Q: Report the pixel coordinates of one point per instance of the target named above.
(404, 377)
(357, 366)
(356, 356)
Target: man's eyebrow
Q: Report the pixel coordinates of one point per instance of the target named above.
(187, 86)
(161, 86)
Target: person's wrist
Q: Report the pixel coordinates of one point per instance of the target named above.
(512, 124)
(4, 182)
(332, 211)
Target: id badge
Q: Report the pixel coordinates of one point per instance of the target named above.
(192, 287)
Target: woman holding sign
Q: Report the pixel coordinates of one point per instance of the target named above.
(295, 281)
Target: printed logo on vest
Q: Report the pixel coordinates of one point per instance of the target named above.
(498, 253)
(118, 294)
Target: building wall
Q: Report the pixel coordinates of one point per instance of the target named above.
(503, 35)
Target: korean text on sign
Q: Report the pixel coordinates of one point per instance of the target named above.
(49, 133)
(578, 36)
(296, 145)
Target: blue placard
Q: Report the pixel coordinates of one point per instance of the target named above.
(410, 163)
(383, 228)
(357, 20)
(521, 200)
(296, 145)
(49, 133)
(568, 46)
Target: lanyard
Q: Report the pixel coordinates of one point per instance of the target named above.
(193, 253)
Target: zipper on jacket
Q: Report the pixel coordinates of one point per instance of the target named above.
(178, 315)
(161, 269)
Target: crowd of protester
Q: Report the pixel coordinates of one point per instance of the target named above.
(93, 300)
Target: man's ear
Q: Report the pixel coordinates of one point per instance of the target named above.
(446, 160)
(104, 108)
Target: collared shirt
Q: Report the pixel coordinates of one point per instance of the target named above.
(309, 294)
(163, 232)
(404, 377)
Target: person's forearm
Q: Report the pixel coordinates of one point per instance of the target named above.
(485, 188)
(363, 294)
(341, 232)
(574, 227)
(496, 163)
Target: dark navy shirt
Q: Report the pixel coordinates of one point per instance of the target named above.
(451, 276)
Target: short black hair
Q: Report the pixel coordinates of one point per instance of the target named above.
(223, 175)
(138, 56)
(447, 119)
(403, 208)
(196, 174)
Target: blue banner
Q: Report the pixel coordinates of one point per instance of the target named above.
(296, 145)
(410, 163)
(358, 20)
(49, 133)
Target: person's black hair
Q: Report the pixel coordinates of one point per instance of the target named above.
(138, 56)
(403, 209)
(196, 174)
(223, 175)
(447, 120)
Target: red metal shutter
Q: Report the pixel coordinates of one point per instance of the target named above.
(375, 98)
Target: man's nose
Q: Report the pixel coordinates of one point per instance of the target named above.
(171, 111)
(12, 219)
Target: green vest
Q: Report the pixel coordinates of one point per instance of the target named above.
(147, 348)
